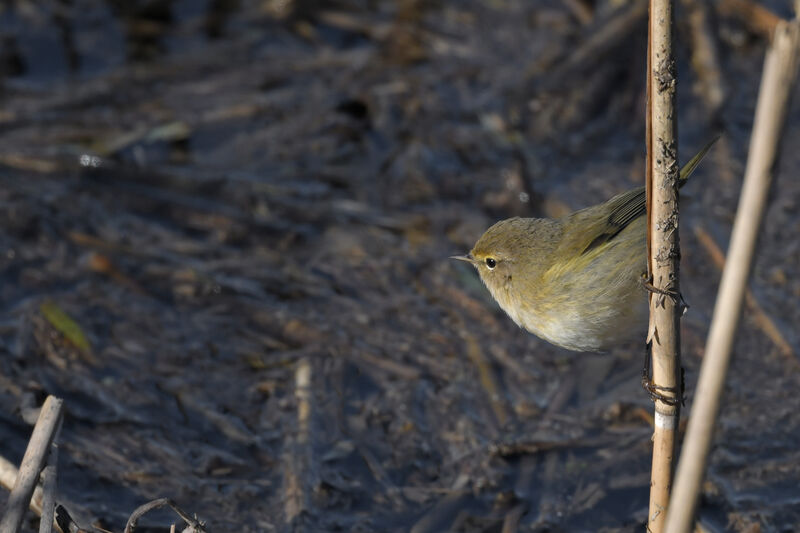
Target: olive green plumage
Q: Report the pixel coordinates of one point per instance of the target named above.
(575, 281)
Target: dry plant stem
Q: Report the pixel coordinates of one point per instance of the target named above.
(616, 30)
(777, 81)
(758, 315)
(32, 463)
(512, 518)
(49, 486)
(755, 16)
(8, 476)
(441, 515)
(705, 56)
(487, 378)
(297, 463)
(662, 191)
(580, 10)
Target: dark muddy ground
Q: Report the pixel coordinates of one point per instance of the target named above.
(246, 207)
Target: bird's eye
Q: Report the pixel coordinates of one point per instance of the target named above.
(491, 263)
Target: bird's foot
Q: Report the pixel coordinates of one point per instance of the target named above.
(677, 297)
(669, 395)
(647, 283)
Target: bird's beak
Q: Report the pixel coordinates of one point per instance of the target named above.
(468, 258)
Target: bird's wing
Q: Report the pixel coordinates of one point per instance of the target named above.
(622, 210)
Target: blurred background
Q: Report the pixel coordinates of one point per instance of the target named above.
(224, 232)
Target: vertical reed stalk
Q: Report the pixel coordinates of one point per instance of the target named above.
(777, 82)
(663, 254)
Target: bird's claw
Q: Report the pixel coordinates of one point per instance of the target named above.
(668, 395)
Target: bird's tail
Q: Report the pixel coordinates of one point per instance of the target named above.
(689, 167)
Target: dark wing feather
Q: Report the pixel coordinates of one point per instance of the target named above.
(624, 209)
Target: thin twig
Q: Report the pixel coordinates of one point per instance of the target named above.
(777, 82)
(193, 525)
(32, 463)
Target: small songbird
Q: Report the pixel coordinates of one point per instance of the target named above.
(578, 281)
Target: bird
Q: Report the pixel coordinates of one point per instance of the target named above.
(579, 281)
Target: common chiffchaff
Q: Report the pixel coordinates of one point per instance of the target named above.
(577, 281)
